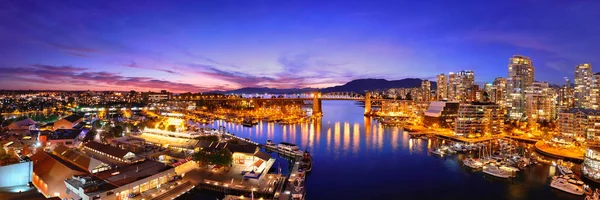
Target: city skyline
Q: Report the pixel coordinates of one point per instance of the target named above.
(204, 46)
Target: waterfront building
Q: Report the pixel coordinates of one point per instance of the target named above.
(68, 122)
(540, 102)
(156, 96)
(425, 91)
(580, 124)
(441, 114)
(120, 183)
(460, 85)
(478, 119)
(583, 85)
(520, 76)
(442, 87)
(590, 168)
(49, 173)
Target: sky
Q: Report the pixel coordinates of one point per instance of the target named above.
(199, 46)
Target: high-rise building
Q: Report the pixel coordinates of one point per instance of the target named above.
(565, 96)
(583, 85)
(520, 76)
(442, 87)
(499, 94)
(452, 80)
(540, 102)
(460, 84)
(478, 119)
(595, 95)
(425, 90)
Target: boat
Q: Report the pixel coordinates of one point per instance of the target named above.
(438, 152)
(249, 122)
(495, 171)
(595, 195)
(306, 162)
(564, 170)
(289, 149)
(472, 163)
(567, 184)
(509, 168)
(270, 143)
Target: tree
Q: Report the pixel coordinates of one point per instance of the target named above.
(408, 96)
(222, 157)
(209, 138)
(116, 131)
(96, 124)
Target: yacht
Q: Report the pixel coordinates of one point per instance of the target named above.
(495, 171)
(472, 163)
(564, 170)
(567, 184)
(289, 148)
(509, 168)
(270, 145)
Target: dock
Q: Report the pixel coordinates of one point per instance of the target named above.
(289, 191)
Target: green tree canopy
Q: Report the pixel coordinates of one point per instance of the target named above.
(209, 138)
(222, 157)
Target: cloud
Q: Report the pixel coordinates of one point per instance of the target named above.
(135, 65)
(69, 76)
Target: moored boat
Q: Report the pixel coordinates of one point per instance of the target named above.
(306, 162)
(567, 184)
(564, 170)
(249, 122)
(495, 171)
(472, 163)
(289, 148)
(438, 152)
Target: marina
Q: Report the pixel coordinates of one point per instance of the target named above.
(340, 143)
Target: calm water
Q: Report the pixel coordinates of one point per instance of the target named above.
(356, 158)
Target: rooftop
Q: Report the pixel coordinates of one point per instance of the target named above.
(130, 173)
(92, 185)
(73, 117)
(586, 111)
(107, 149)
(76, 157)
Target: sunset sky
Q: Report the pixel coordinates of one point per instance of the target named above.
(202, 45)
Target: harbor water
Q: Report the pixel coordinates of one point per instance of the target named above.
(354, 157)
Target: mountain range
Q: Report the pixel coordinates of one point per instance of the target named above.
(357, 86)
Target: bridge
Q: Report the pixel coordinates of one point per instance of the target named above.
(315, 97)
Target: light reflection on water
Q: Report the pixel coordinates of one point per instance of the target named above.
(350, 150)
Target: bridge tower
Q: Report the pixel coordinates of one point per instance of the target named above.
(367, 103)
(317, 111)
